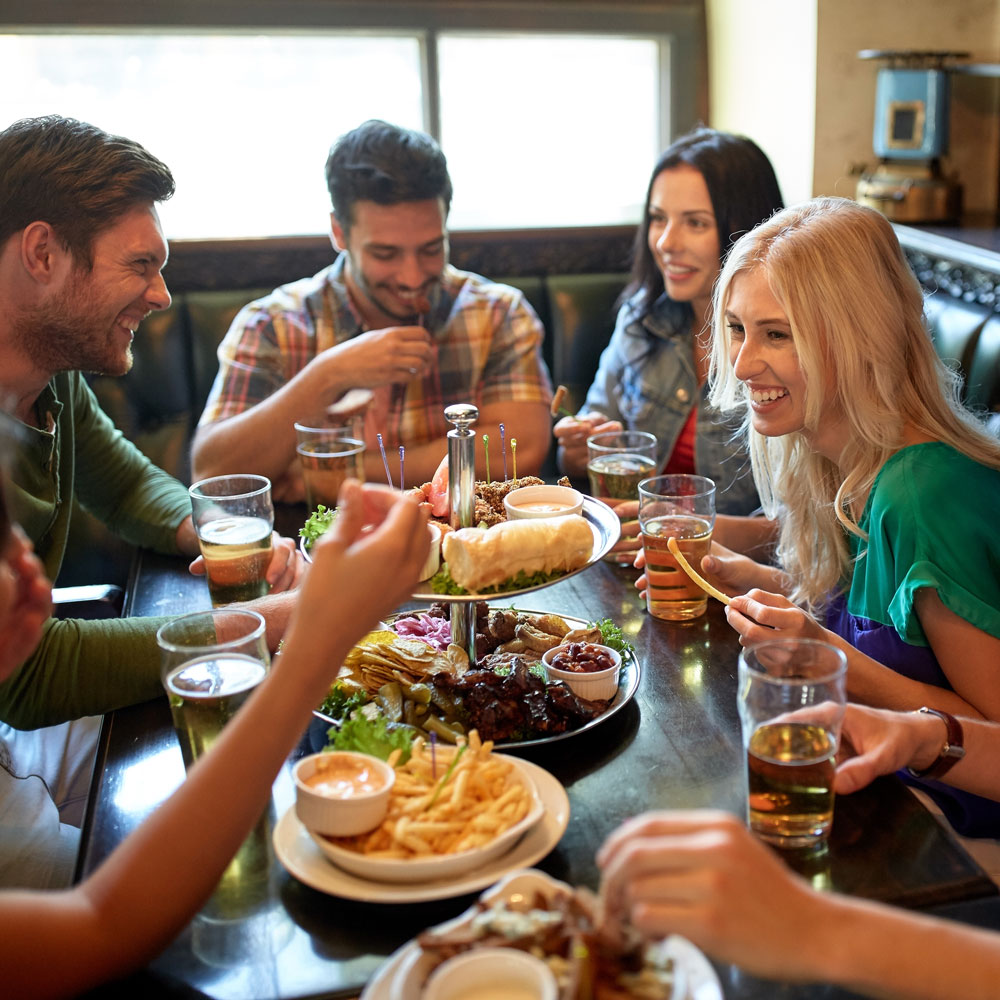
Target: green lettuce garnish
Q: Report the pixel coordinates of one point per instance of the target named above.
(442, 582)
(317, 523)
(372, 736)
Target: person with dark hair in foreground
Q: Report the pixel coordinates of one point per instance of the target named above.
(390, 315)
(62, 943)
(704, 875)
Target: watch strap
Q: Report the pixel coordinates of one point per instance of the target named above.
(951, 752)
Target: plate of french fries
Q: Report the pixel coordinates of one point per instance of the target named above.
(299, 852)
(451, 809)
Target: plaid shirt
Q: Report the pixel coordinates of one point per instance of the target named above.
(488, 341)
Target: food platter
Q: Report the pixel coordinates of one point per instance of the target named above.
(604, 524)
(297, 851)
(628, 684)
(403, 975)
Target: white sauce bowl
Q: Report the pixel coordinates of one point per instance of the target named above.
(542, 501)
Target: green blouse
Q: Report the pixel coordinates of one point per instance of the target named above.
(933, 520)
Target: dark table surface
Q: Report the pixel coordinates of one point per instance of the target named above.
(676, 745)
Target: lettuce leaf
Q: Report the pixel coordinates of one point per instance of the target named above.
(317, 523)
(372, 736)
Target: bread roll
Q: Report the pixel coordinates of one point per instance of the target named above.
(479, 558)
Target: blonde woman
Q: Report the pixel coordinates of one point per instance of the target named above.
(887, 491)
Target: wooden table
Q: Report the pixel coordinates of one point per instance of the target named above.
(676, 745)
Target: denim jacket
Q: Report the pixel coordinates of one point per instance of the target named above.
(647, 380)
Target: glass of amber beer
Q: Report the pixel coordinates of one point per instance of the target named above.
(210, 663)
(328, 456)
(617, 461)
(234, 517)
(792, 694)
(683, 507)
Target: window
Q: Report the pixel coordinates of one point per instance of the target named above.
(550, 116)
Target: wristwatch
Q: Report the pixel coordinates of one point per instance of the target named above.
(952, 751)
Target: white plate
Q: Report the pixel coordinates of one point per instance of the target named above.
(442, 866)
(296, 850)
(403, 974)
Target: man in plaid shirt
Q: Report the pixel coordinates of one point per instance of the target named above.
(390, 315)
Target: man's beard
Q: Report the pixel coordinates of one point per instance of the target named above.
(57, 339)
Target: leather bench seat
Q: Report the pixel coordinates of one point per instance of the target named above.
(157, 405)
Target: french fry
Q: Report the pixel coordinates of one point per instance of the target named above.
(675, 551)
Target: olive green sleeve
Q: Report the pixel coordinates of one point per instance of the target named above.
(84, 668)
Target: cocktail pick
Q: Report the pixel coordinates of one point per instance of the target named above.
(402, 481)
(385, 461)
(513, 454)
(503, 451)
(486, 448)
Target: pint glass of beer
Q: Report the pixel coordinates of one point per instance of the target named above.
(210, 663)
(328, 456)
(617, 461)
(233, 517)
(792, 694)
(677, 506)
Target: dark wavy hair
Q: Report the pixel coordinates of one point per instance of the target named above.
(740, 181)
(385, 164)
(76, 177)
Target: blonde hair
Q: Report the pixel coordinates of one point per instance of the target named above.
(856, 314)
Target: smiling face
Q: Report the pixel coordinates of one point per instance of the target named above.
(683, 236)
(395, 256)
(764, 357)
(89, 320)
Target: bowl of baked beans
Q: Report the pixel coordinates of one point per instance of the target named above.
(588, 668)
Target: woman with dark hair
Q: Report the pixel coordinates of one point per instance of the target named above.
(707, 188)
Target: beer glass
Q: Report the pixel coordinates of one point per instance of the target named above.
(792, 694)
(617, 461)
(233, 517)
(328, 456)
(683, 507)
(210, 663)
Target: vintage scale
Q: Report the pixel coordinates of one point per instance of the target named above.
(910, 137)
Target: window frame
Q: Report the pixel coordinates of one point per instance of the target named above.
(677, 25)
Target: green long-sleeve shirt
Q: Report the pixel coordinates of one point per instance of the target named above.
(86, 667)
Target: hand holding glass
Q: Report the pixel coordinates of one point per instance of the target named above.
(617, 461)
(682, 507)
(792, 694)
(210, 663)
(233, 518)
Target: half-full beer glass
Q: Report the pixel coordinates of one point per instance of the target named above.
(617, 461)
(328, 456)
(210, 663)
(233, 518)
(792, 694)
